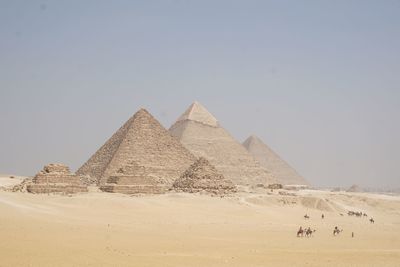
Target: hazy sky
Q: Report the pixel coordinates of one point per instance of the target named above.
(318, 81)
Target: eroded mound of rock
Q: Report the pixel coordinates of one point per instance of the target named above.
(201, 176)
(56, 178)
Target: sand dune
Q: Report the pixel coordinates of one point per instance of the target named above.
(98, 229)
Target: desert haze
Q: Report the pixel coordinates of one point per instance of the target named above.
(190, 196)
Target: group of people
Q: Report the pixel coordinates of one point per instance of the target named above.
(308, 232)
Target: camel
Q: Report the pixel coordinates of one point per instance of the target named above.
(372, 220)
(336, 231)
(300, 232)
(355, 213)
(309, 232)
(350, 213)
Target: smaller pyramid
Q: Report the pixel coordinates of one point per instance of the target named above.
(271, 161)
(132, 178)
(201, 176)
(56, 178)
(354, 189)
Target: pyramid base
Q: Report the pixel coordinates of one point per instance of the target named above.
(134, 189)
(212, 191)
(55, 188)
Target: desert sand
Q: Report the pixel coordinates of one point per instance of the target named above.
(181, 229)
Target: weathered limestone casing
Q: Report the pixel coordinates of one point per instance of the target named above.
(202, 135)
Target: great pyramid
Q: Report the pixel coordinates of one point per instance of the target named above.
(141, 157)
(202, 176)
(272, 162)
(200, 132)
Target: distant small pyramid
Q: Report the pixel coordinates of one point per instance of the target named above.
(140, 153)
(354, 188)
(272, 162)
(202, 176)
(201, 134)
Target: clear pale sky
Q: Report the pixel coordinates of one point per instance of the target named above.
(318, 81)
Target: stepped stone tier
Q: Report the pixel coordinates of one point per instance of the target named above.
(272, 162)
(56, 178)
(203, 177)
(133, 179)
(141, 157)
(199, 131)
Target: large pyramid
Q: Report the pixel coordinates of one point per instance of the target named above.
(202, 176)
(139, 156)
(200, 132)
(272, 162)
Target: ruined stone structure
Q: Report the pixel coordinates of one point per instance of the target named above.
(56, 178)
(201, 134)
(272, 162)
(141, 157)
(133, 179)
(203, 177)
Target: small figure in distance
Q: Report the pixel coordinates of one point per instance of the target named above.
(322, 216)
(300, 232)
(336, 231)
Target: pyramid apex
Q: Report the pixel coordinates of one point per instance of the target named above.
(252, 138)
(142, 112)
(197, 112)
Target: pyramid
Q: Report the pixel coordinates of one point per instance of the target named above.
(272, 162)
(141, 157)
(354, 188)
(202, 176)
(56, 178)
(199, 131)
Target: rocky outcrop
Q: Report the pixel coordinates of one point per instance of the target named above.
(56, 178)
(203, 177)
(23, 186)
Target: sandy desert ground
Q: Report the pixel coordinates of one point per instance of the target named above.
(176, 229)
